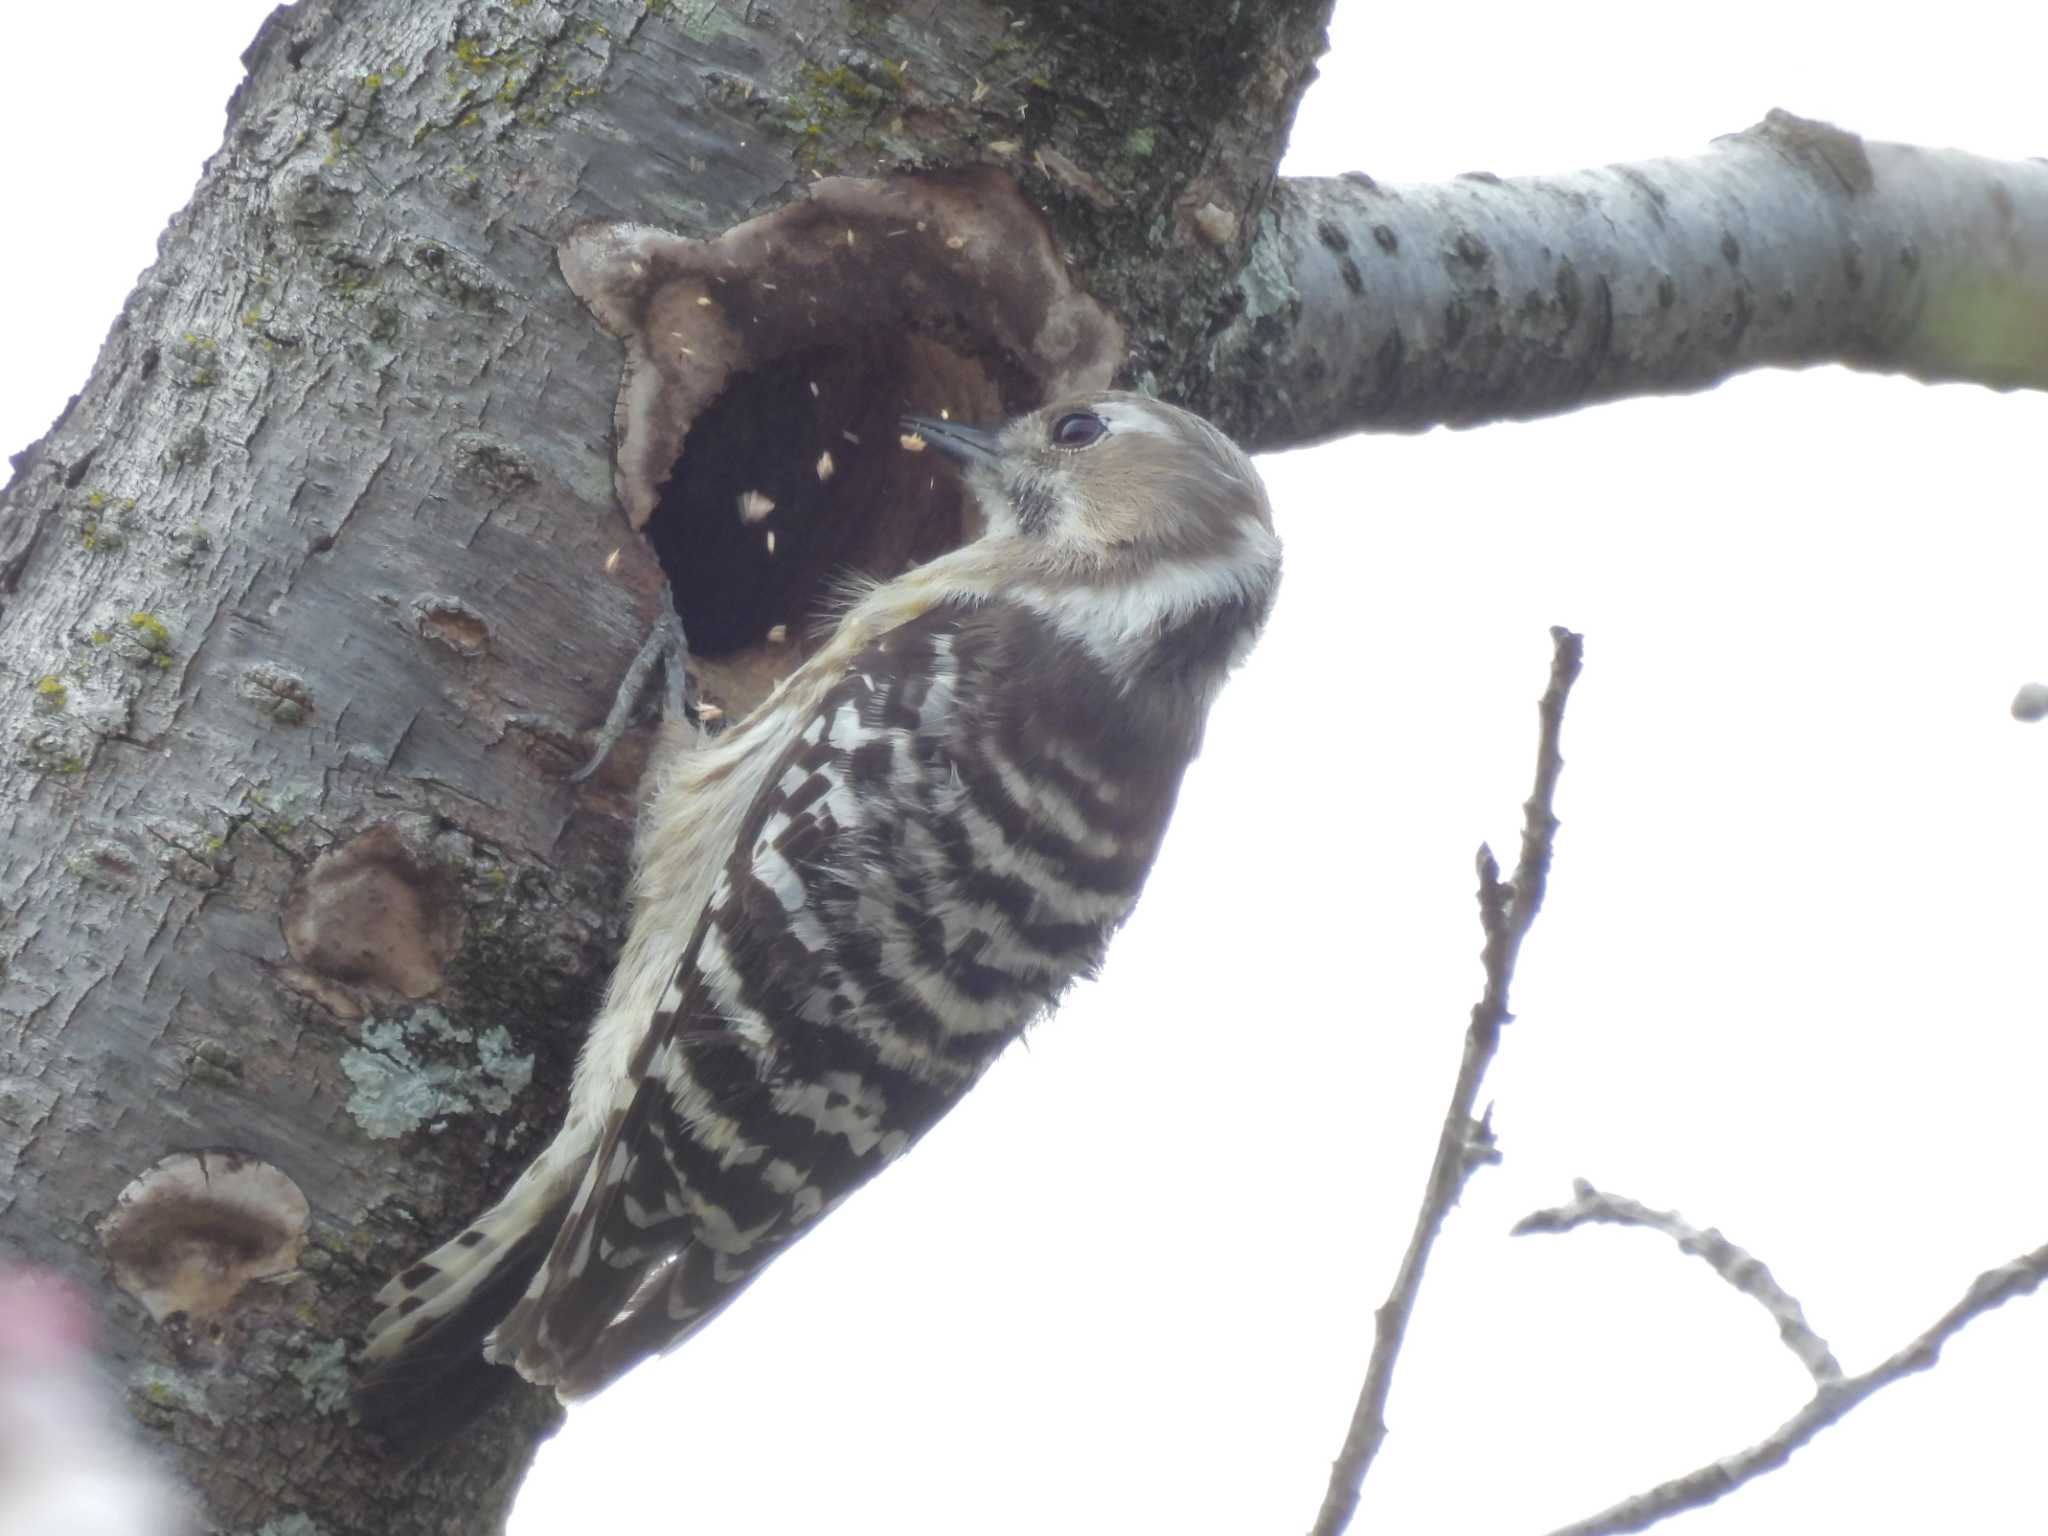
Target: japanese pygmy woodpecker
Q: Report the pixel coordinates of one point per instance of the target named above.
(846, 906)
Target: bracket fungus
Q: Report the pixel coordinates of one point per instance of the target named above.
(187, 1235)
(765, 369)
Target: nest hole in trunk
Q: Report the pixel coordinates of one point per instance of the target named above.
(795, 479)
(758, 448)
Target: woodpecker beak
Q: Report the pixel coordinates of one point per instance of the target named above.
(970, 445)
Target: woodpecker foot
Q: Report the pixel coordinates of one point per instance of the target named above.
(667, 648)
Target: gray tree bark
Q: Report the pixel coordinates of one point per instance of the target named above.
(1789, 244)
(309, 597)
(306, 605)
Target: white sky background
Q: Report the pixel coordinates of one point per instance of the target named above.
(1788, 980)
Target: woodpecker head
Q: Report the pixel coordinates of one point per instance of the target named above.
(1138, 501)
(1106, 478)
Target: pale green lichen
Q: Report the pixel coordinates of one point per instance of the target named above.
(396, 1092)
(536, 82)
(476, 58)
(1141, 141)
(150, 632)
(837, 104)
(101, 519)
(1265, 283)
(62, 748)
(289, 1525)
(508, 1071)
(280, 812)
(323, 1376)
(194, 361)
(703, 22)
(156, 1387)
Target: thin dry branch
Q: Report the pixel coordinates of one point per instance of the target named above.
(1505, 913)
(1746, 1273)
(1479, 299)
(1831, 1403)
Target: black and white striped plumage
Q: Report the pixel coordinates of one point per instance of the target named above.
(849, 905)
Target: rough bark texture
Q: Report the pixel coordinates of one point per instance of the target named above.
(308, 598)
(306, 601)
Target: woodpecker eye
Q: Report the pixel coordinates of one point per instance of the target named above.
(1077, 429)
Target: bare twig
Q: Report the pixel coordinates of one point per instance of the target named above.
(1505, 913)
(1829, 1404)
(1731, 1263)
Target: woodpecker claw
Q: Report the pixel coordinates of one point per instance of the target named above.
(666, 647)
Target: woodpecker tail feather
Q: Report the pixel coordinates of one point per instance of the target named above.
(426, 1377)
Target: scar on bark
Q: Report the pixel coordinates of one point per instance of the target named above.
(187, 1235)
(764, 371)
(370, 913)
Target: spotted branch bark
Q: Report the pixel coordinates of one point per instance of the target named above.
(1793, 243)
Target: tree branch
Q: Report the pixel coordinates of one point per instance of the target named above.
(1747, 1274)
(1505, 913)
(1829, 1404)
(1790, 244)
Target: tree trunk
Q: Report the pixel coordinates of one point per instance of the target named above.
(307, 602)
(310, 601)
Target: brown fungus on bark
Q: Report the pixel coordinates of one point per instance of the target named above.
(795, 340)
(372, 912)
(190, 1233)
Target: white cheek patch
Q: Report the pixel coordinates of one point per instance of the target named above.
(1117, 623)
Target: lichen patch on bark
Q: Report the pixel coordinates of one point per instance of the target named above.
(398, 1090)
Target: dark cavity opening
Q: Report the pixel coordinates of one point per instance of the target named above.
(795, 477)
